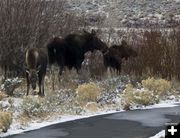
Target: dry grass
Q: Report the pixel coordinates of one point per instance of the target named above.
(131, 96)
(151, 92)
(158, 53)
(5, 121)
(92, 107)
(87, 92)
(157, 86)
(2, 95)
(67, 80)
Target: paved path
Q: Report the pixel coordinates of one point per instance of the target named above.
(130, 124)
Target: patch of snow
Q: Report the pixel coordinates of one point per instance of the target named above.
(161, 134)
(162, 104)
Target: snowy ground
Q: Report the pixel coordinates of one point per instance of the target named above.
(15, 129)
(128, 12)
(61, 105)
(161, 134)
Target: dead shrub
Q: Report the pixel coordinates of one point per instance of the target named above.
(159, 87)
(132, 96)
(87, 92)
(158, 53)
(2, 95)
(5, 121)
(151, 92)
(91, 107)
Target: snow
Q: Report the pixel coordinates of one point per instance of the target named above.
(161, 134)
(163, 105)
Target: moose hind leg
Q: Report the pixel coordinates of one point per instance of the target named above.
(39, 84)
(42, 85)
(28, 84)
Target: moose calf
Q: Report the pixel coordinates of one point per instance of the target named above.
(36, 64)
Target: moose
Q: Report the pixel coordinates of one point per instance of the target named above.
(116, 53)
(36, 64)
(69, 51)
(97, 62)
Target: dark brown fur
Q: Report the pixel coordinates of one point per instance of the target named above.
(113, 57)
(70, 50)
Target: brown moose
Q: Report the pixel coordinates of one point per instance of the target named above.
(36, 64)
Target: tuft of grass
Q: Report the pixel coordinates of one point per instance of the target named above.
(92, 106)
(2, 95)
(159, 87)
(87, 92)
(5, 121)
(132, 96)
(151, 92)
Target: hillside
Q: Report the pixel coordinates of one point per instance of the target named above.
(128, 13)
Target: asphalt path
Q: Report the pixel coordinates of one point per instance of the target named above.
(130, 124)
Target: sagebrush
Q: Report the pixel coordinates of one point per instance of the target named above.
(5, 121)
(87, 92)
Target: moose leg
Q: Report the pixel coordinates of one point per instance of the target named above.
(28, 84)
(78, 67)
(60, 73)
(61, 64)
(60, 70)
(61, 67)
(40, 83)
(42, 86)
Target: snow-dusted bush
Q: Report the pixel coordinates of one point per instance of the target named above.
(33, 106)
(62, 101)
(159, 87)
(5, 121)
(10, 85)
(151, 91)
(111, 89)
(132, 96)
(87, 92)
